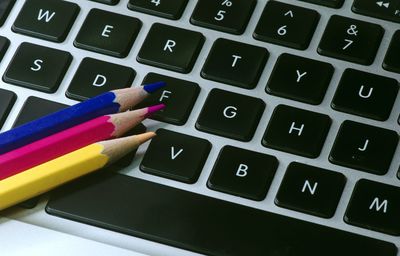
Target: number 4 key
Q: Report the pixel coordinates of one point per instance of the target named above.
(163, 8)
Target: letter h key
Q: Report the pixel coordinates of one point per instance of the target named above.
(297, 131)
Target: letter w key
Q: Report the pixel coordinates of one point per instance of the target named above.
(46, 19)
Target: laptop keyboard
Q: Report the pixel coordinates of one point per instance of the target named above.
(280, 132)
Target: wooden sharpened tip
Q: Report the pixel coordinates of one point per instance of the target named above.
(117, 148)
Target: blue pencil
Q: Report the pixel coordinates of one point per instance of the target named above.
(104, 104)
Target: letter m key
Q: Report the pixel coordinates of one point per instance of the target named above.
(379, 205)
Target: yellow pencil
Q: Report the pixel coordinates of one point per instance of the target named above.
(47, 176)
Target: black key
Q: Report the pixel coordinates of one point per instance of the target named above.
(365, 94)
(199, 223)
(171, 48)
(300, 79)
(5, 8)
(392, 62)
(35, 108)
(364, 147)
(230, 115)
(38, 67)
(351, 40)
(297, 131)
(32, 109)
(167, 9)
(387, 10)
(46, 19)
(374, 206)
(110, 2)
(94, 77)
(329, 3)
(286, 25)
(179, 97)
(229, 16)
(108, 33)
(398, 171)
(4, 44)
(235, 63)
(7, 100)
(176, 156)
(243, 173)
(310, 190)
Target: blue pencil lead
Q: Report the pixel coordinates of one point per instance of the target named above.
(150, 88)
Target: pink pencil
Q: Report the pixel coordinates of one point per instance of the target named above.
(98, 129)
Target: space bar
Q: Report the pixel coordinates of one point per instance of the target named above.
(199, 223)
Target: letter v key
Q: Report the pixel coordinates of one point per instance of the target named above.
(175, 155)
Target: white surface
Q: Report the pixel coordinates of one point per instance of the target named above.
(21, 239)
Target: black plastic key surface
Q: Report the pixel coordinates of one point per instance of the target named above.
(235, 63)
(365, 94)
(32, 109)
(329, 3)
(351, 40)
(299, 78)
(374, 206)
(176, 156)
(7, 100)
(243, 173)
(164, 8)
(94, 77)
(38, 67)
(5, 8)
(171, 48)
(364, 147)
(297, 131)
(311, 190)
(108, 33)
(199, 223)
(110, 2)
(46, 19)
(229, 16)
(230, 115)
(4, 44)
(178, 95)
(392, 61)
(387, 10)
(286, 25)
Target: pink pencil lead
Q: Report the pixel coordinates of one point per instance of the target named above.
(152, 109)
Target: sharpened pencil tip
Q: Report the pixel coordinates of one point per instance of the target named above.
(152, 109)
(142, 138)
(150, 88)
